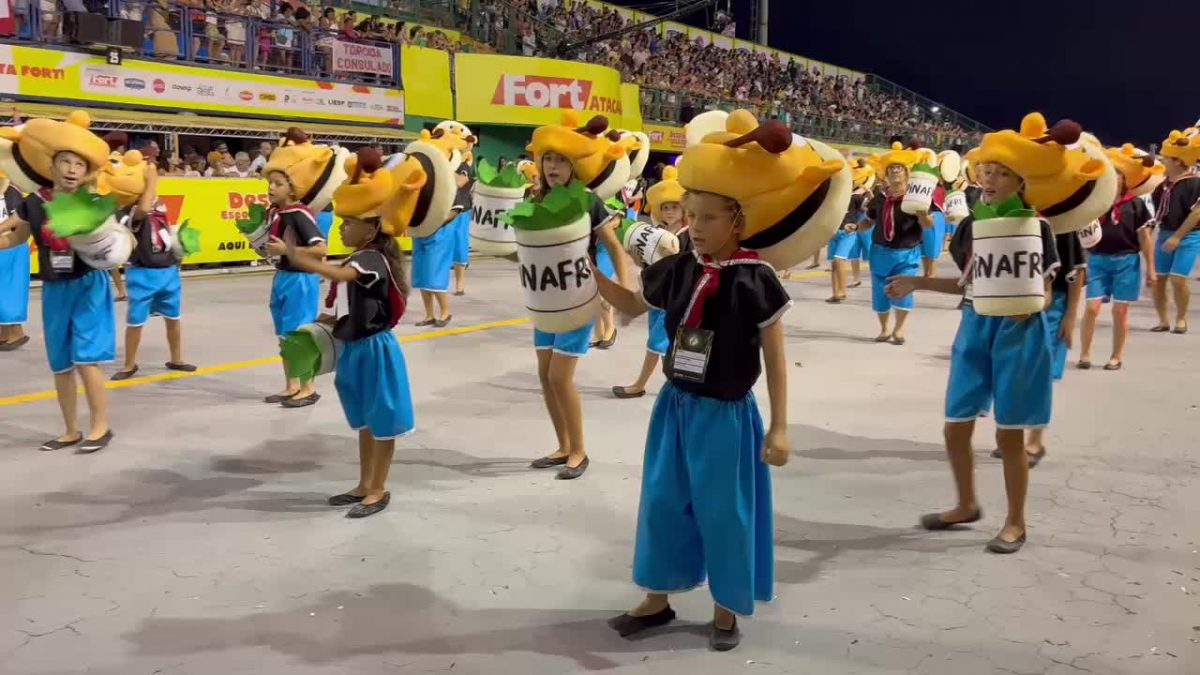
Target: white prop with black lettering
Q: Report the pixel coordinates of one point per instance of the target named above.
(107, 247)
(1091, 234)
(919, 196)
(648, 244)
(1008, 272)
(259, 238)
(489, 234)
(956, 207)
(556, 275)
(329, 346)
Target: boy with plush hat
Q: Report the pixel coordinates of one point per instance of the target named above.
(14, 277)
(50, 158)
(1177, 210)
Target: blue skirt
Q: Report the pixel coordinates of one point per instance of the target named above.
(706, 502)
(14, 285)
(372, 384)
(933, 238)
(1058, 349)
(432, 258)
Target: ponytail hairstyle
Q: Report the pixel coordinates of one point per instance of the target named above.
(386, 244)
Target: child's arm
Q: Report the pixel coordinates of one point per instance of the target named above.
(308, 259)
(902, 287)
(146, 204)
(13, 232)
(776, 450)
(627, 302)
(1146, 236)
(1074, 296)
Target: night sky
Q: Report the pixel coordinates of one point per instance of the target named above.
(1115, 66)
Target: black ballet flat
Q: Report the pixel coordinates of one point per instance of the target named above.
(899, 341)
(442, 323)
(90, 446)
(1180, 331)
(606, 344)
(834, 300)
(425, 322)
(883, 338)
(124, 374)
(364, 510)
(627, 624)
(277, 398)
(626, 392)
(547, 462)
(294, 402)
(14, 345)
(1003, 547)
(723, 640)
(181, 367)
(934, 523)
(346, 499)
(1084, 364)
(1034, 460)
(569, 473)
(1114, 366)
(1160, 329)
(55, 444)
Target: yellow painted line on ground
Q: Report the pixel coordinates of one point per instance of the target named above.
(254, 363)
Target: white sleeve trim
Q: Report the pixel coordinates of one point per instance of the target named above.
(777, 316)
(363, 272)
(1052, 271)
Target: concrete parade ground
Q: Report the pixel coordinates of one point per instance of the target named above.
(199, 542)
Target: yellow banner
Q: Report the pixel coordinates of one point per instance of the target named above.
(533, 92)
(75, 77)
(665, 138)
(426, 73)
(212, 205)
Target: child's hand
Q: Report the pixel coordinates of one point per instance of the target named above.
(775, 450)
(899, 288)
(276, 246)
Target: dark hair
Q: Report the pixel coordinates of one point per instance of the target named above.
(387, 245)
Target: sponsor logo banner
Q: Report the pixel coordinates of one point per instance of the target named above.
(529, 91)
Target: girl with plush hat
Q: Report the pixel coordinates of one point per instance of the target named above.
(564, 153)
(846, 247)
(895, 242)
(14, 277)
(371, 377)
(1003, 353)
(51, 158)
(292, 173)
(1177, 210)
(665, 202)
(706, 491)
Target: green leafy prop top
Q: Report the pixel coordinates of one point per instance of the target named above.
(624, 228)
(925, 168)
(563, 206)
(258, 215)
(509, 178)
(301, 356)
(189, 238)
(80, 212)
(1012, 207)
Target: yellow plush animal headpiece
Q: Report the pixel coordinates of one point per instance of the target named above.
(123, 177)
(314, 171)
(1183, 146)
(666, 191)
(1142, 174)
(863, 174)
(367, 188)
(638, 146)
(461, 131)
(1068, 178)
(424, 184)
(905, 157)
(529, 170)
(27, 150)
(792, 191)
(600, 159)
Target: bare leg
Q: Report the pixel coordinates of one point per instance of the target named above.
(1088, 330)
(427, 301)
(605, 325)
(649, 365)
(443, 301)
(562, 381)
(962, 465)
(1179, 287)
(291, 385)
(93, 388)
(1016, 480)
(901, 319)
(64, 386)
(856, 269)
(723, 618)
(381, 464)
(118, 282)
(1120, 330)
(545, 357)
(837, 278)
(1036, 444)
(929, 267)
(303, 389)
(653, 603)
(133, 340)
(460, 279)
(885, 320)
(366, 447)
(1160, 299)
(175, 340)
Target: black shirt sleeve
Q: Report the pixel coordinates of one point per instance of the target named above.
(25, 210)
(960, 243)
(1050, 258)
(304, 228)
(1141, 213)
(599, 212)
(763, 296)
(372, 266)
(874, 207)
(1071, 255)
(657, 282)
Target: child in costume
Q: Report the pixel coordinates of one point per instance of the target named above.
(1177, 210)
(14, 277)
(291, 174)
(665, 201)
(1005, 358)
(371, 378)
(896, 242)
(464, 178)
(565, 153)
(706, 492)
(49, 158)
(1114, 265)
(434, 249)
(152, 276)
(606, 173)
(933, 238)
(846, 247)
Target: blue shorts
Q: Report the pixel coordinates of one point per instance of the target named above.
(892, 262)
(865, 243)
(1182, 261)
(1058, 349)
(1114, 276)
(432, 259)
(372, 384)
(844, 246)
(14, 285)
(575, 343)
(294, 299)
(995, 358)
(657, 342)
(933, 238)
(77, 316)
(153, 291)
(462, 239)
(706, 501)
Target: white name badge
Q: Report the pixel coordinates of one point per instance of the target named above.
(689, 357)
(62, 262)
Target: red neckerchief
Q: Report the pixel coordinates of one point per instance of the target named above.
(1115, 216)
(158, 227)
(51, 241)
(275, 217)
(889, 216)
(709, 281)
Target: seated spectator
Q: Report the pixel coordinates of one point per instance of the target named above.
(241, 167)
(261, 156)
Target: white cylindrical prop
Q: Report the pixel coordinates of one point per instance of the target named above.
(176, 245)
(1008, 271)
(108, 247)
(956, 207)
(556, 275)
(329, 346)
(489, 234)
(648, 244)
(919, 196)
(1090, 235)
(258, 239)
